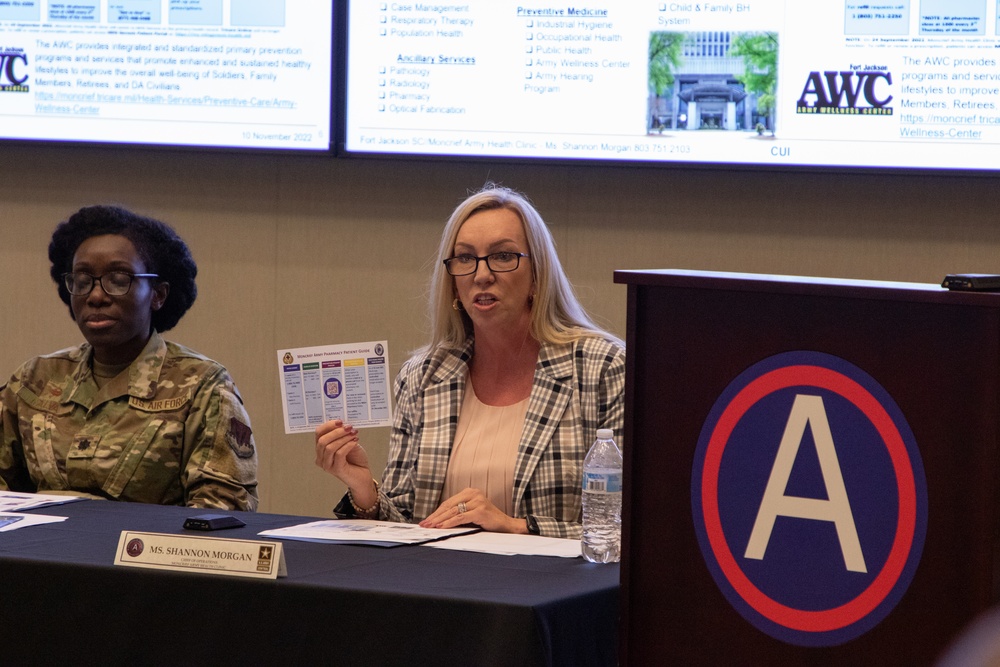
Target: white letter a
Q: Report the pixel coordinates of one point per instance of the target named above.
(807, 410)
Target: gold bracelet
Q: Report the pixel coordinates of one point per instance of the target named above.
(359, 510)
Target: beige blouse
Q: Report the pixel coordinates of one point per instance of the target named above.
(485, 449)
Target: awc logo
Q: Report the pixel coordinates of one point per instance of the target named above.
(13, 76)
(850, 93)
(809, 499)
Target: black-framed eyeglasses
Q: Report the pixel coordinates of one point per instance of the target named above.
(114, 283)
(497, 262)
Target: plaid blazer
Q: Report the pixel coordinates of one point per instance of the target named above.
(578, 388)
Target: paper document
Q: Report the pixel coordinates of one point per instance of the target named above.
(363, 531)
(348, 382)
(12, 521)
(12, 501)
(506, 544)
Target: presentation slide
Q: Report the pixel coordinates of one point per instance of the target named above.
(877, 83)
(218, 73)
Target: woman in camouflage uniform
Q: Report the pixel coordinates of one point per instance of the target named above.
(126, 415)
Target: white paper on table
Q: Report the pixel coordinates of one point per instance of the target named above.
(13, 520)
(362, 531)
(12, 501)
(506, 544)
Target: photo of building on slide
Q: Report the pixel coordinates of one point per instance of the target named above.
(722, 81)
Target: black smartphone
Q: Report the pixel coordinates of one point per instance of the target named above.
(972, 282)
(212, 522)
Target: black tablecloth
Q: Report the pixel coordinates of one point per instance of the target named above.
(64, 602)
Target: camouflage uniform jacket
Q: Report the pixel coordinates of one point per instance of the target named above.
(170, 429)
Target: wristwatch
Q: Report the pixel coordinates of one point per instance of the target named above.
(532, 525)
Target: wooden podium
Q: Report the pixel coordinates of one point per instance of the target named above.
(694, 340)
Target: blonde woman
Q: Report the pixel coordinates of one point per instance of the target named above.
(495, 415)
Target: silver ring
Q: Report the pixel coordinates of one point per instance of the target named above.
(461, 508)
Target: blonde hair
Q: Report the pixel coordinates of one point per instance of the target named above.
(556, 314)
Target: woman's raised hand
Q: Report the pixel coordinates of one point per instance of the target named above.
(339, 453)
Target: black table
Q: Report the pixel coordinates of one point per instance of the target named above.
(62, 601)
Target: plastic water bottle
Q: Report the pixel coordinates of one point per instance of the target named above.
(602, 500)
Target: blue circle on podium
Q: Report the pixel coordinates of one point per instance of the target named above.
(809, 498)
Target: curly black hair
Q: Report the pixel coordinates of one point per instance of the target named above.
(161, 249)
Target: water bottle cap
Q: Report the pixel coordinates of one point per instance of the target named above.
(605, 434)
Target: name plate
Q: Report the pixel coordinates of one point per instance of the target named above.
(184, 553)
